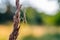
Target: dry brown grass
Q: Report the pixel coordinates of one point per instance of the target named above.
(27, 30)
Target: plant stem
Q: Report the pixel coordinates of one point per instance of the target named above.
(16, 19)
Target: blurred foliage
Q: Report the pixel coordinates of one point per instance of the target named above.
(5, 17)
(32, 17)
(45, 37)
(51, 20)
(57, 18)
(47, 19)
(29, 38)
(51, 37)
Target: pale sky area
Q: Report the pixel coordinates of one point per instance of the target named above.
(50, 7)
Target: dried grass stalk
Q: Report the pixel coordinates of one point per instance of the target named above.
(16, 19)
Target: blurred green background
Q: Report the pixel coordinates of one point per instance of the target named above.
(37, 26)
